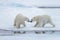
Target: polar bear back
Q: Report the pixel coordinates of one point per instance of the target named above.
(40, 18)
(20, 18)
(46, 17)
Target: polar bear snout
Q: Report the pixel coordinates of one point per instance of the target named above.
(31, 20)
(28, 20)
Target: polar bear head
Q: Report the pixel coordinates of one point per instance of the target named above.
(27, 19)
(35, 18)
(21, 17)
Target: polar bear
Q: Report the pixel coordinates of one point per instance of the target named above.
(42, 20)
(20, 19)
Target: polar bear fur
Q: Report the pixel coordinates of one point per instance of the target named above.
(20, 19)
(42, 20)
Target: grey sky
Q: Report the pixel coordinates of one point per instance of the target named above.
(32, 2)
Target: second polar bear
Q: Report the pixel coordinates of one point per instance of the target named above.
(20, 19)
(42, 20)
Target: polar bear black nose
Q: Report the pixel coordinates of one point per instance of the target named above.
(31, 20)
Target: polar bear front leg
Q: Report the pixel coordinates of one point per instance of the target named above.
(39, 24)
(43, 25)
(51, 23)
(24, 24)
(17, 25)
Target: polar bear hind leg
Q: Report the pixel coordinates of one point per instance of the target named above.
(52, 23)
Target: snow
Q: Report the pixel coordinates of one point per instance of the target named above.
(31, 37)
(27, 8)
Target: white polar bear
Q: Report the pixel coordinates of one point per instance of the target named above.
(42, 20)
(20, 19)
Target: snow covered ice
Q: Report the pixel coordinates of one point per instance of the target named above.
(10, 8)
